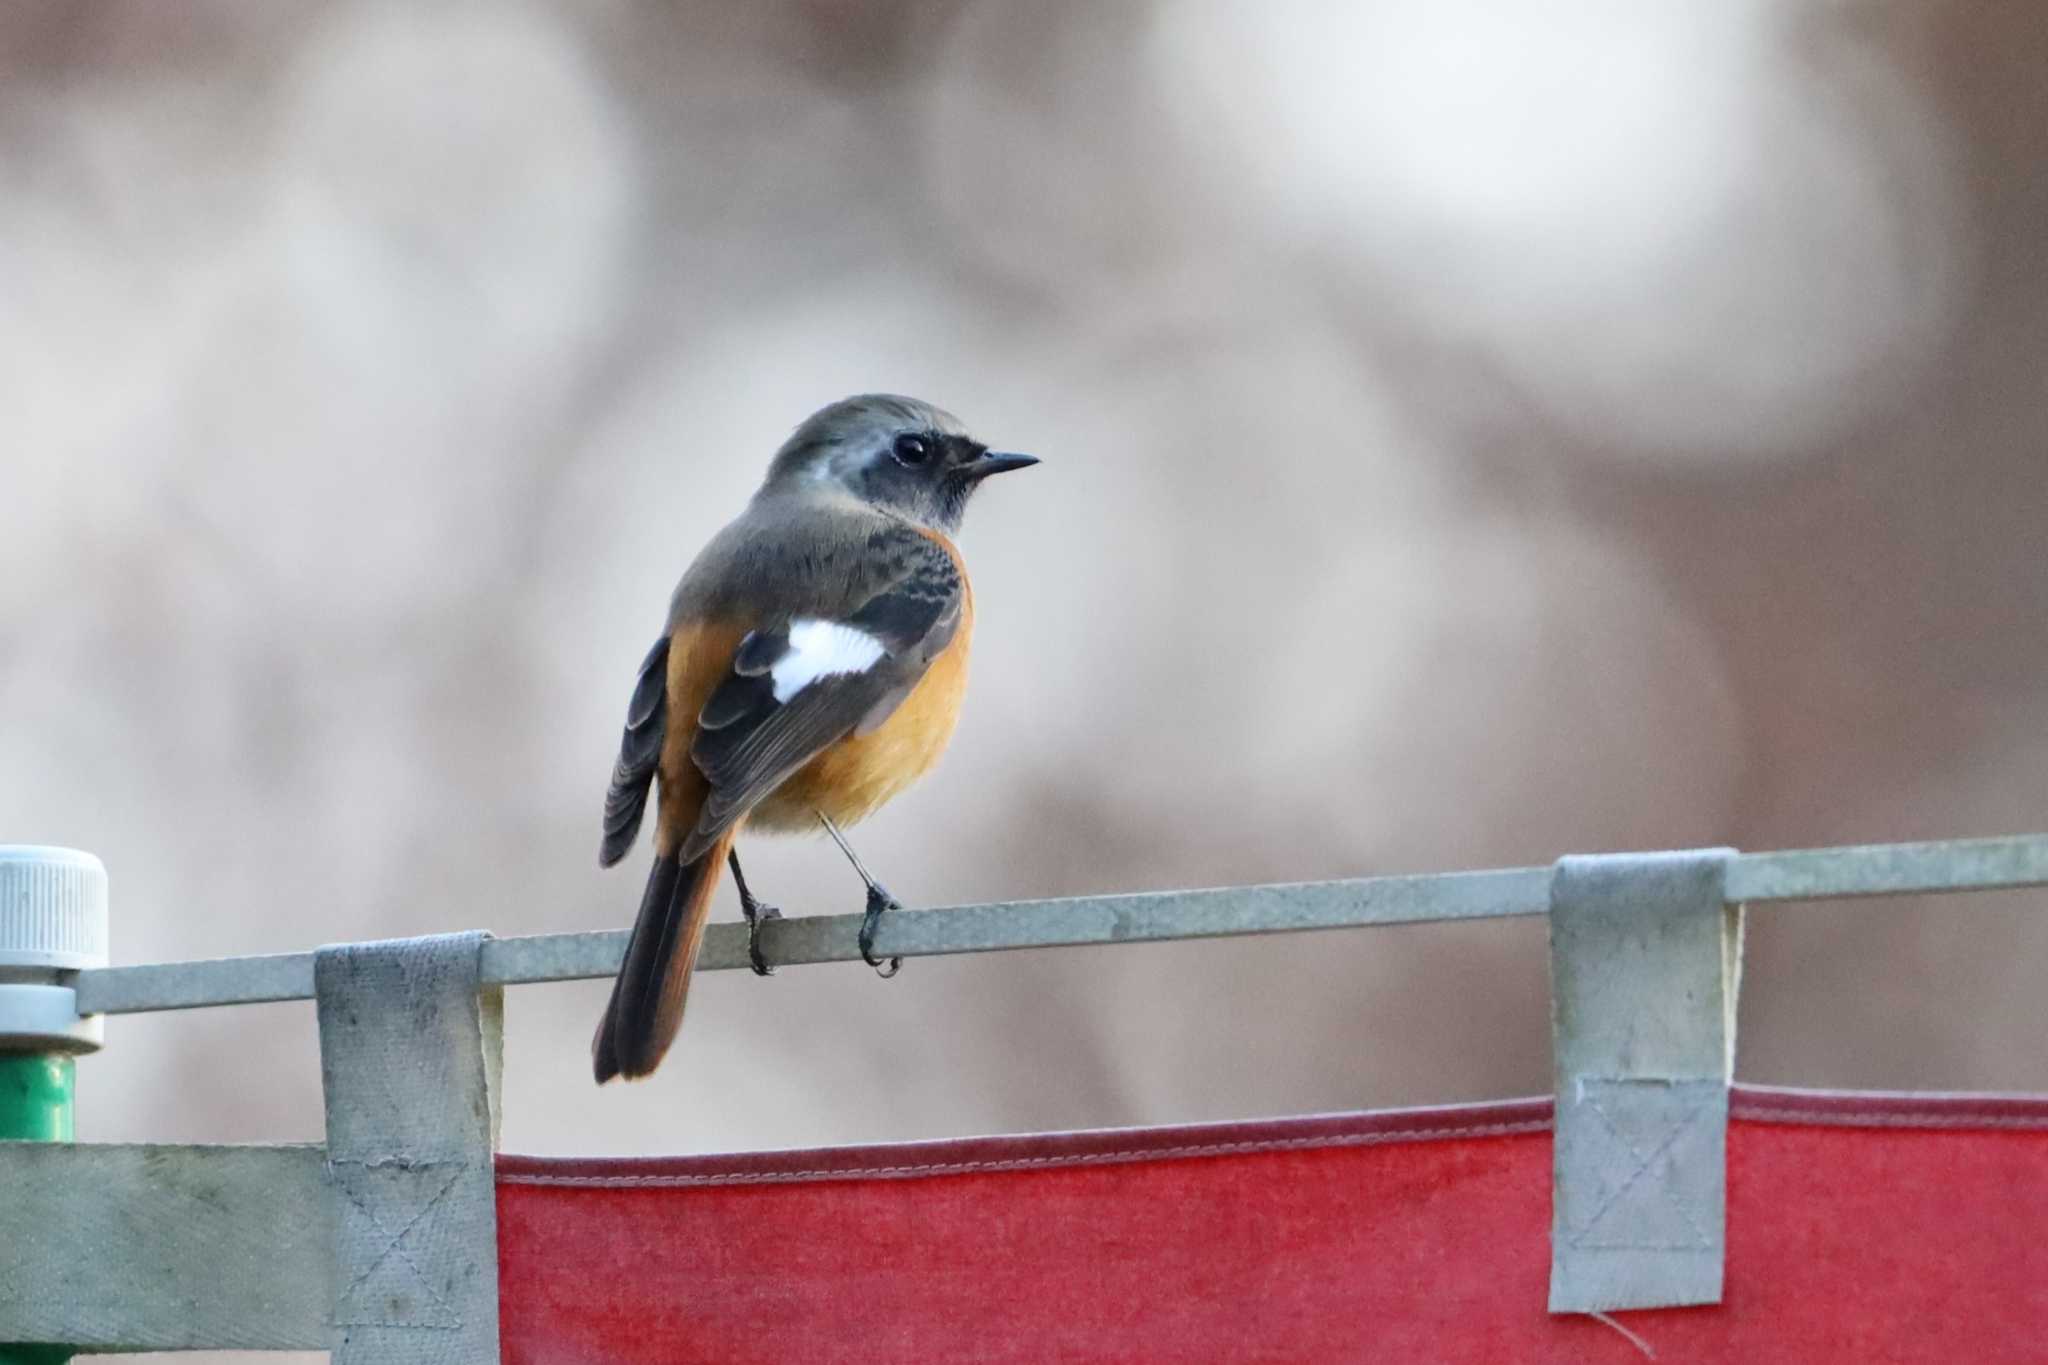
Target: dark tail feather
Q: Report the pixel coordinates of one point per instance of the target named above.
(646, 1006)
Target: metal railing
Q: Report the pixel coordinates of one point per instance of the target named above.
(1753, 878)
(118, 1246)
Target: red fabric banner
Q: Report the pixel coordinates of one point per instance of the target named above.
(1863, 1228)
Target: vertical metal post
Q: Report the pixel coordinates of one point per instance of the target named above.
(53, 922)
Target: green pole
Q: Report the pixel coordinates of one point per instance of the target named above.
(53, 921)
(35, 1096)
(35, 1106)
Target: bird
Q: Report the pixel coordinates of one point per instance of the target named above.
(811, 669)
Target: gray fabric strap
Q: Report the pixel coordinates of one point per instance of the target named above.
(1644, 964)
(409, 1059)
(127, 1247)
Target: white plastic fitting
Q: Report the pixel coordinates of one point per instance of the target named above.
(53, 922)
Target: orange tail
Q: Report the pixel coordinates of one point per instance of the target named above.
(646, 1006)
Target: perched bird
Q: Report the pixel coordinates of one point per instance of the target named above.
(812, 668)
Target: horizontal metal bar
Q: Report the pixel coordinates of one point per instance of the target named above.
(1149, 917)
(1890, 869)
(1807, 874)
(192, 985)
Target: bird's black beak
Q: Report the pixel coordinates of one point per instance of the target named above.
(997, 462)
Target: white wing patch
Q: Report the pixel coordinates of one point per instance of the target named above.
(822, 649)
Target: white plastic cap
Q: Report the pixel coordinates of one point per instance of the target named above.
(53, 918)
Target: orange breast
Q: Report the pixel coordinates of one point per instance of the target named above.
(849, 780)
(856, 776)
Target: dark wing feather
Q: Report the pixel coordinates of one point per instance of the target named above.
(748, 743)
(639, 751)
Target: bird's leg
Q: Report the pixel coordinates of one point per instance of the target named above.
(755, 912)
(879, 900)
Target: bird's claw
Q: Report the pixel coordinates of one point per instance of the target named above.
(755, 917)
(878, 901)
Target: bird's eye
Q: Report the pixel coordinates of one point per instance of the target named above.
(913, 449)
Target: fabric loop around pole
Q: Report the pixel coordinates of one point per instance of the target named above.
(410, 1045)
(1644, 961)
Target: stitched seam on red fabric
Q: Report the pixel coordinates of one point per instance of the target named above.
(1885, 1119)
(1745, 1107)
(1025, 1163)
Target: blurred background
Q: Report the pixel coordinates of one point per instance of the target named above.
(1473, 433)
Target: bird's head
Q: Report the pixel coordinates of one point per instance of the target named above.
(895, 453)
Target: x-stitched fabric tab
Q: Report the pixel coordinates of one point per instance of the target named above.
(1643, 962)
(385, 1206)
(1653, 1190)
(406, 1039)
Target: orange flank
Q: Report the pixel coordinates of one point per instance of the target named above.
(698, 657)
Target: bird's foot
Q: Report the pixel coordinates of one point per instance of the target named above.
(757, 914)
(878, 900)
